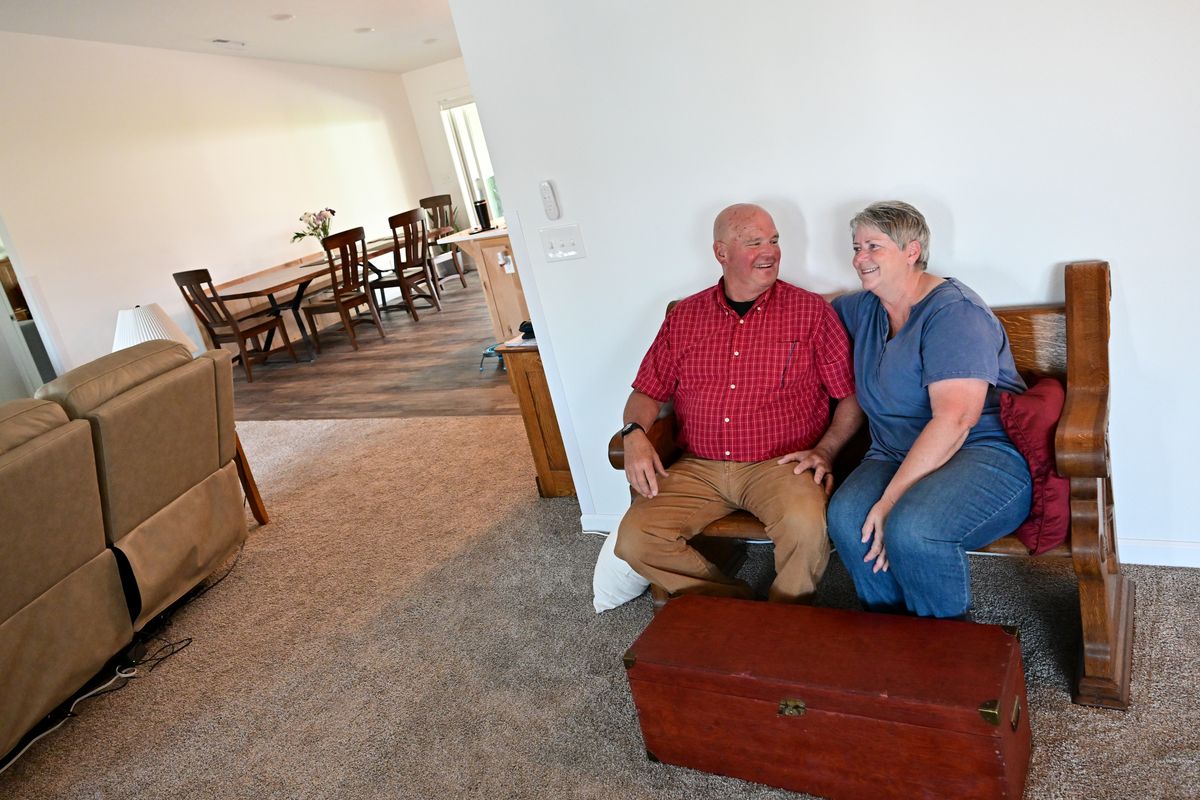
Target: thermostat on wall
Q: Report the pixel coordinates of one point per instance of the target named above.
(549, 200)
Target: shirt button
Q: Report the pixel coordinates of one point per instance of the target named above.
(732, 386)
(726, 452)
(740, 322)
(727, 419)
(736, 353)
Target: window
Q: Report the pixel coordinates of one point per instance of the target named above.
(476, 178)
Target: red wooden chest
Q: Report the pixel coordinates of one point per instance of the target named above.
(841, 704)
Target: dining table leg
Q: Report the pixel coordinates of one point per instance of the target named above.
(294, 306)
(271, 333)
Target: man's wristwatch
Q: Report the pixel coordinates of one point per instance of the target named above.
(630, 428)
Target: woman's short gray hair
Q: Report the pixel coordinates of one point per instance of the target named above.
(901, 222)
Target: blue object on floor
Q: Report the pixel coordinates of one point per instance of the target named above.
(491, 353)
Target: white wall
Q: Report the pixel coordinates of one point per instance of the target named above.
(1031, 133)
(427, 89)
(120, 165)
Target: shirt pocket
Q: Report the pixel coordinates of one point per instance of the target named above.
(790, 363)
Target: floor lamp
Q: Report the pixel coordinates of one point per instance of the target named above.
(143, 323)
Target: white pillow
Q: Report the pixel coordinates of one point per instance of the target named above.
(614, 582)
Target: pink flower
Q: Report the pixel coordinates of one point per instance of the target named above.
(316, 224)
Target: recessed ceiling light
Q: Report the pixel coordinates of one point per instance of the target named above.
(430, 41)
(283, 17)
(364, 30)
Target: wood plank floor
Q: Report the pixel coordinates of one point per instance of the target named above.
(424, 369)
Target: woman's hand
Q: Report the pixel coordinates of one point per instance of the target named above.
(874, 527)
(818, 461)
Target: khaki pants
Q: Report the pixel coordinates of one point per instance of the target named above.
(653, 535)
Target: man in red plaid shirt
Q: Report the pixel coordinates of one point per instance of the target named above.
(751, 365)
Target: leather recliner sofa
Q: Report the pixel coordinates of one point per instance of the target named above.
(62, 609)
(118, 490)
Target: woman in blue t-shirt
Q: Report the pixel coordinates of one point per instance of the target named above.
(941, 477)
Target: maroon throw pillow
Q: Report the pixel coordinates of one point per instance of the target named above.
(1030, 419)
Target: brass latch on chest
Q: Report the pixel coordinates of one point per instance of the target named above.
(790, 707)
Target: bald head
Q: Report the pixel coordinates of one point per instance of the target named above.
(734, 217)
(746, 245)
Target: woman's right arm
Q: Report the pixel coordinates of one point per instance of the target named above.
(847, 419)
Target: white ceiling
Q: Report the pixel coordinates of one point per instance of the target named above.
(321, 32)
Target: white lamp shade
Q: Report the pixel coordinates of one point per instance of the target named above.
(143, 323)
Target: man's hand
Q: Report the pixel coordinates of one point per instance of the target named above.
(818, 461)
(874, 527)
(642, 465)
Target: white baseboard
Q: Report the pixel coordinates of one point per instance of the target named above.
(1160, 552)
(600, 523)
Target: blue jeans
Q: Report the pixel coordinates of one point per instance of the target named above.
(979, 495)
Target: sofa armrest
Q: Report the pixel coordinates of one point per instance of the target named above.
(661, 435)
(222, 364)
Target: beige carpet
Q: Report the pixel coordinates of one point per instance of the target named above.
(416, 623)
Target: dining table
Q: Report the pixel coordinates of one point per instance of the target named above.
(271, 283)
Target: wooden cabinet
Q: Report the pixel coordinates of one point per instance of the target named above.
(528, 380)
(493, 257)
(491, 251)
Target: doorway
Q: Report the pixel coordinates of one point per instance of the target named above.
(24, 363)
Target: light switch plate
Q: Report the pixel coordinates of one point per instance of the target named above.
(563, 243)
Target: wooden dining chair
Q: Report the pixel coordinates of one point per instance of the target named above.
(223, 326)
(441, 223)
(350, 286)
(411, 267)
